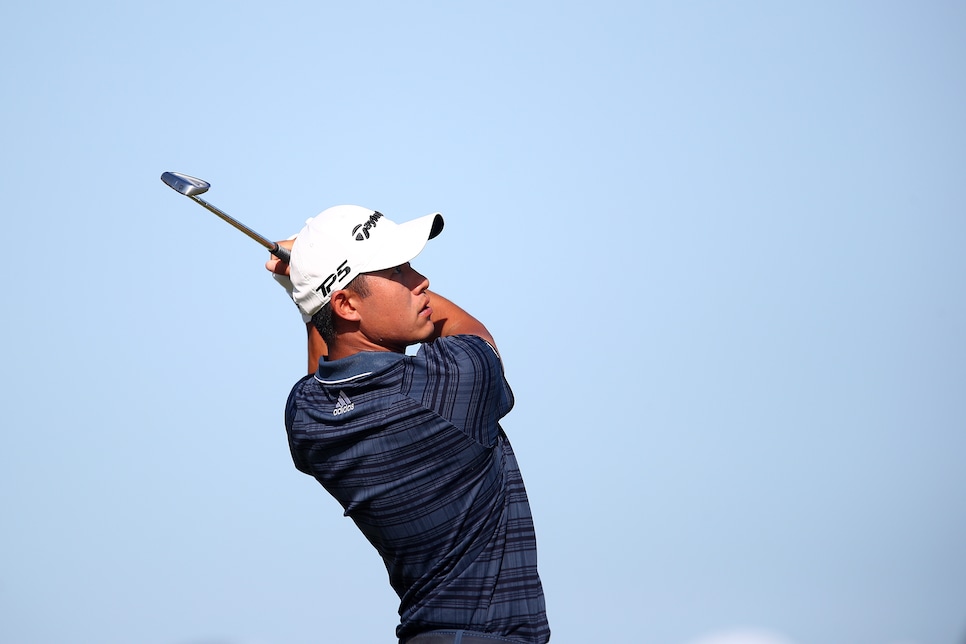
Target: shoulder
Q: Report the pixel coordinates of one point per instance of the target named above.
(467, 351)
(458, 365)
(296, 393)
(460, 378)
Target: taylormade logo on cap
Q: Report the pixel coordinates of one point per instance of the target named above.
(361, 231)
(344, 241)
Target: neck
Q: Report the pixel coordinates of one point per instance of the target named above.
(350, 344)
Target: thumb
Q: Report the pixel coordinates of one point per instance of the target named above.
(277, 266)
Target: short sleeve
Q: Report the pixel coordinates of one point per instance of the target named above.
(461, 378)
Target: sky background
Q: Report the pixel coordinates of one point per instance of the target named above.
(722, 248)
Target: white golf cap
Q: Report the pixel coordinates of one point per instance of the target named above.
(344, 241)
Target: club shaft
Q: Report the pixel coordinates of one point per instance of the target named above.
(273, 247)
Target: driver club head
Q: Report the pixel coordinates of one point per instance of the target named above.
(186, 185)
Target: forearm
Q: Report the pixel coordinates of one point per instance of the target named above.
(316, 347)
(451, 319)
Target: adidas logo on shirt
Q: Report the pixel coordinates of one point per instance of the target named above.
(343, 405)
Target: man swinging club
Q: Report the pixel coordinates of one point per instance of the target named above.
(410, 445)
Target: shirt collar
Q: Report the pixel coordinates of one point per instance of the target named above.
(358, 365)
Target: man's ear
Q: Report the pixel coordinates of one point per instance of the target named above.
(343, 303)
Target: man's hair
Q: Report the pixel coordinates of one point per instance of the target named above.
(324, 319)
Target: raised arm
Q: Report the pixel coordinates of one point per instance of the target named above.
(315, 344)
(316, 347)
(450, 319)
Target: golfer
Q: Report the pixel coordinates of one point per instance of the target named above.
(410, 445)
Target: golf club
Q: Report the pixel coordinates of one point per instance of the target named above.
(191, 187)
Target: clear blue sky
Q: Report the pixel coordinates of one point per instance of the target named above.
(722, 247)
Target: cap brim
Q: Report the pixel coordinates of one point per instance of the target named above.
(406, 242)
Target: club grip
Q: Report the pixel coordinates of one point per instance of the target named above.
(282, 253)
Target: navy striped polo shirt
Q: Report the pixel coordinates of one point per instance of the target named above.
(412, 449)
